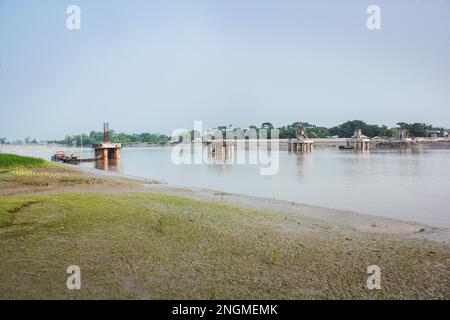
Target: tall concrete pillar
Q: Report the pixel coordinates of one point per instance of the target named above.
(105, 154)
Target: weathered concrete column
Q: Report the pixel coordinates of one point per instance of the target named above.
(117, 155)
(105, 154)
(105, 163)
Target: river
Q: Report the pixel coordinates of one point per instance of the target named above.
(412, 185)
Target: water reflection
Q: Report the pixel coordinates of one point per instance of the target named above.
(108, 165)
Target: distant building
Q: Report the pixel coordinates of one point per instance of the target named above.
(433, 133)
(358, 134)
(402, 134)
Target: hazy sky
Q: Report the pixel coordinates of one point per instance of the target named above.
(159, 65)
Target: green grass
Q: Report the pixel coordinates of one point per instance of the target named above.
(5, 217)
(153, 246)
(10, 161)
(26, 174)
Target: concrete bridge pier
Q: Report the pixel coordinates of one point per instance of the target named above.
(222, 150)
(107, 150)
(302, 143)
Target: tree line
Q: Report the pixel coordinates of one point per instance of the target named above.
(95, 137)
(344, 130)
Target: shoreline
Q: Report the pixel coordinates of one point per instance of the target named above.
(139, 239)
(326, 143)
(359, 221)
(338, 215)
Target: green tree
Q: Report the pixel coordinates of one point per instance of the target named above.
(417, 129)
(68, 139)
(346, 130)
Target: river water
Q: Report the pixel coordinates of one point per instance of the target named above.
(411, 185)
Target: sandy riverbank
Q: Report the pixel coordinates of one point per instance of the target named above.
(336, 217)
(136, 239)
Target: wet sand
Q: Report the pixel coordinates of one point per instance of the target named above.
(349, 221)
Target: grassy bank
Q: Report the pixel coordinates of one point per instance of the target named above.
(152, 246)
(22, 175)
(11, 162)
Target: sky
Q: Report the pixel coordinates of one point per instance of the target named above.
(159, 65)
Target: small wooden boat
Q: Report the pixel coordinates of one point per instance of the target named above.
(58, 156)
(71, 159)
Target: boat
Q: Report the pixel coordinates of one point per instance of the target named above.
(58, 156)
(77, 159)
(72, 159)
(346, 147)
